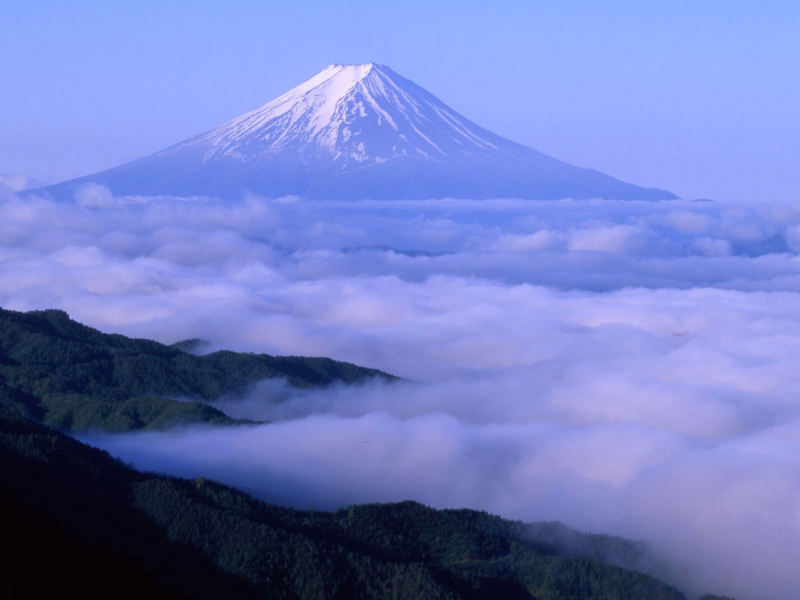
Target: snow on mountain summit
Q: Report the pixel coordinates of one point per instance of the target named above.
(353, 115)
(354, 132)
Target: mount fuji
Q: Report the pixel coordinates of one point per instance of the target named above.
(358, 132)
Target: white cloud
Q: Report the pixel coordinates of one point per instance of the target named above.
(623, 367)
(614, 238)
(13, 183)
(93, 195)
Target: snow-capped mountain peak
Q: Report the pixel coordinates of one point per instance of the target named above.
(358, 131)
(353, 115)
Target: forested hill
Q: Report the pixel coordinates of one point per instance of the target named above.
(77, 519)
(70, 376)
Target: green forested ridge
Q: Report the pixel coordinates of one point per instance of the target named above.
(77, 519)
(167, 535)
(71, 376)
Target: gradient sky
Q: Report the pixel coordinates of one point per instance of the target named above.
(701, 98)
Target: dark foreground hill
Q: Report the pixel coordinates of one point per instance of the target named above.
(70, 376)
(77, 520)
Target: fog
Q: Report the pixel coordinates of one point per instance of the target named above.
(624, 367)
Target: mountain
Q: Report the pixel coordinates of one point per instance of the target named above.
(357, 132)
(75, 518)
(64, 374)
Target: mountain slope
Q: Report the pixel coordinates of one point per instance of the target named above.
(67, 375)
(76, 518)
(355, 132)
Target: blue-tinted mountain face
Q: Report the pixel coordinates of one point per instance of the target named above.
(358, 132)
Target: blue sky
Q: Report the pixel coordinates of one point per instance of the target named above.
(697, 97)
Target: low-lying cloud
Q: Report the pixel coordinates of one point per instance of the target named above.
(626, 368)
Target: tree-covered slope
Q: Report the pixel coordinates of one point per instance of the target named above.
(74, 377)
(77, 519)
(87, 521)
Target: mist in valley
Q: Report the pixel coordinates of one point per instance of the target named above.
(623, 367)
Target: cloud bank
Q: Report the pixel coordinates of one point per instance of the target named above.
(626, 368)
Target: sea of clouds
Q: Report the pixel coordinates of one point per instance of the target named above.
(624, 367)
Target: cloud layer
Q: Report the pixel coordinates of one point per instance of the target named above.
(624, 367)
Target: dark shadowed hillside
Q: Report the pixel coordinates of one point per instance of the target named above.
(78, 519)
(86, 520)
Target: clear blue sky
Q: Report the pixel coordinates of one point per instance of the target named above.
(702, 98)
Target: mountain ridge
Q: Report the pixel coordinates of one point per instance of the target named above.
(70, 508)
(357, 132)
(64, 374)
(83, 518)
